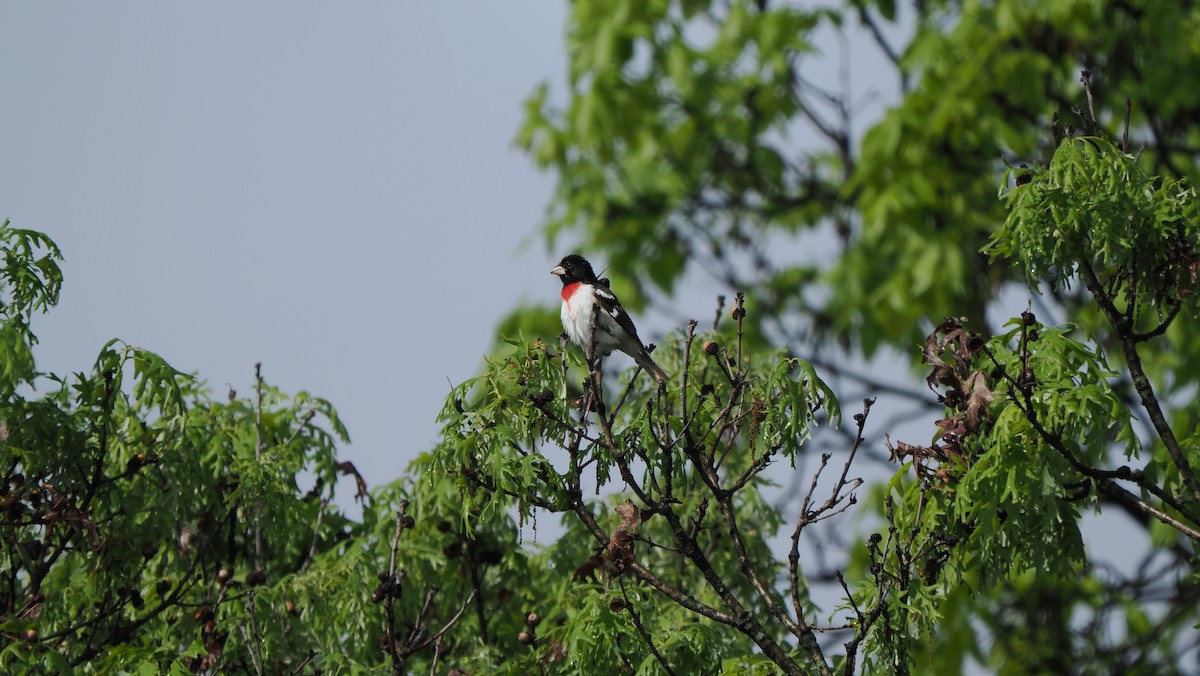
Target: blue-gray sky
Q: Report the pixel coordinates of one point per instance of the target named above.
(303, 184)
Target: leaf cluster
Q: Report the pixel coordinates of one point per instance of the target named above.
(685, 576)
(1004, 490)
(1093, 205)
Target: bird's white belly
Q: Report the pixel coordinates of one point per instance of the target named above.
(577, 321)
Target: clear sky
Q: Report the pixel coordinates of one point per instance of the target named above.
(309, 185)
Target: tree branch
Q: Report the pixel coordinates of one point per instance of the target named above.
(1141, 382)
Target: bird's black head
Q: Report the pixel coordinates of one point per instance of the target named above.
(574, 268)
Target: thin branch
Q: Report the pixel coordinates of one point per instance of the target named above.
(798, 627)
(641, 629)
(881, 40)
(390, 589)
(477, 592)
(1125, 129)
(449, 623)
(1112, 490)
(316, 538)
(254, 640)
(865, 622)
(1085, 76)
(1141, 381)
(739, 313)
(258, 448)
(1101, 476)
(1162, 326)
(304, 421)
(681, 598)
(808, 515)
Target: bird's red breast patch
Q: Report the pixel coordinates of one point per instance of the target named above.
(568, 291)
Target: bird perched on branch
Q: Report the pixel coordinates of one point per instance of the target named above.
(587, 303)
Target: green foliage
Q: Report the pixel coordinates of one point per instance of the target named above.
(691, 136)
(671, 124)
(151, 528)
(1009, 494)
(132, 503)
(511, 442)
(1033, 419)
(30, 281)
(1093, 205)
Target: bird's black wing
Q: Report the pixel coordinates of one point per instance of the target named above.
(609, 304)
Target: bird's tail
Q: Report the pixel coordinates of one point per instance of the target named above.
(647, 362)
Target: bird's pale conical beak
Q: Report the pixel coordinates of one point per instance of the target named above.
(558, 270)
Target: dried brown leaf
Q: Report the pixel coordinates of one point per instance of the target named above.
(979, 396)
(952, 428)
(901, 450)
(620, 549)
(629, 514)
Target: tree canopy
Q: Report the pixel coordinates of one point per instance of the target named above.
(1041, 151)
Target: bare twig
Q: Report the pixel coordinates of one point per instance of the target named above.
(1125, 129)
(880, 39)
(828, 508)
(1085, 76)
(446, 627)
(253, 640)
(798, 626)
(641, 629)
(258, 448)
(316, 538)
(739, 313)
(390, 590)
(865, 621)
(304, 422)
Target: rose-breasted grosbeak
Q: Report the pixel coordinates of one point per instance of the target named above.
(588, 302)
